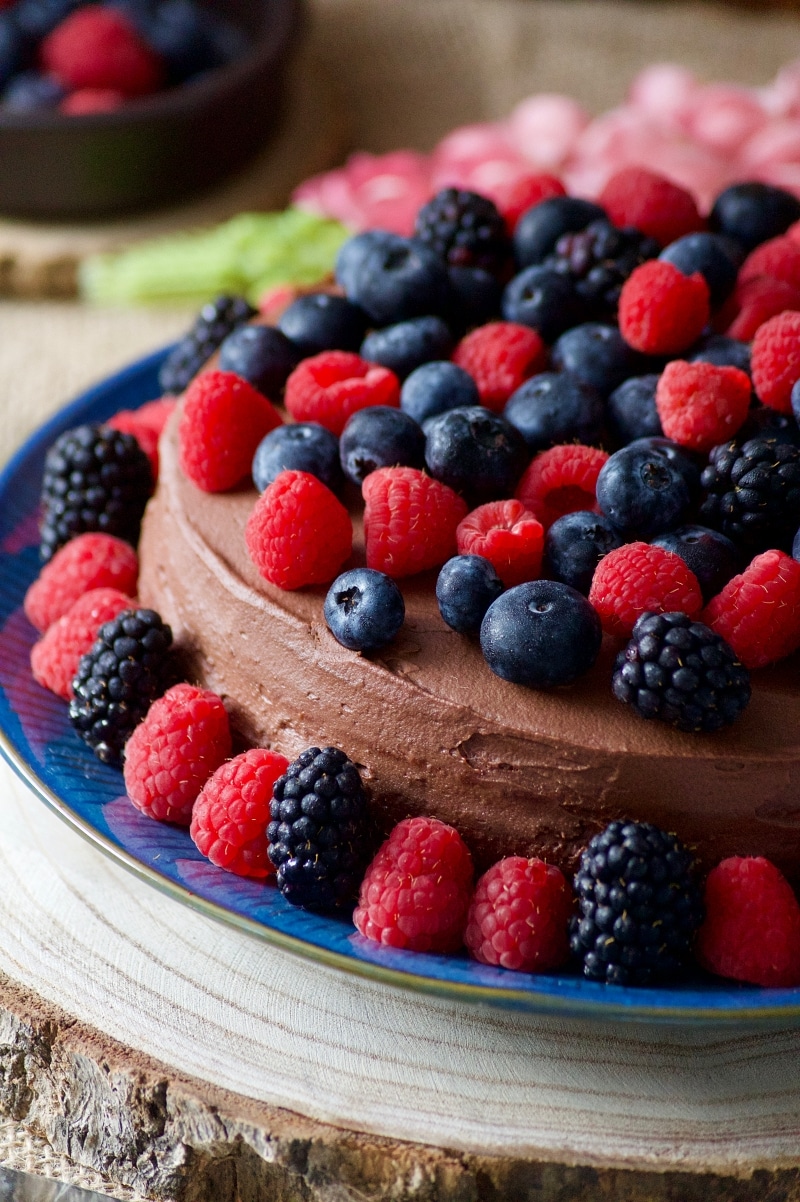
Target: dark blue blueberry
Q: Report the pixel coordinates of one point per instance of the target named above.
(476, 452)
(575, 544)
(12, 48)
(710, 254)
(753, 212)
(436, 387)
(29, 92)
(379, 437)
(301, 447)
(192, 39)
(352, 253)
(555, 407)
(407, 345)
(364, 609)
(262, 355)
(632, 410)
(37, 18)
(541, 634)
(475, 297)
(795, 400)
(466, 587)
(796, 546)
(321, 322)
(397, 280)
(764, 422)
(645, 489)
(598, 355)
(722, 351)
(711, 556)
(544, 299)
(540, 227)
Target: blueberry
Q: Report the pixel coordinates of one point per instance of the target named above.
(466, 587)
(632, 409)
(408, 344)
(397, 280)
(722, 351)
(352, 253)
(364, 609)
(476, 452)
(260, 354)
(189, 39)
(553, 408)
(753, 212)
(321, 322)
(29, 92)
(379, 437)
(710, 254)
(544, 299)
(710, 555)
(302, 447)
(540, 227)
(795, 400)
(37, 18)
(796, 546)
(598, 355)
(575, 544)
(764, 422)
(541, 634)
(475, 297)
(11, 48)
(436, 387)
(645, 490)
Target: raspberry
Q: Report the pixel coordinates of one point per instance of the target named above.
(55, 658)
(519, 916)
(758, 612)
(223, 420)
(508, 535)
(231, 814)
(184, 737)
(98, 48)
(651, 203)
(778, 259)
(417, 890)
(701, 405)
(89, 561)
(410, 521)
(146, 425)
(328, 388)
(92, 100)
(775, 360)
(499, 357)
(752, 927)
(515, 197)
(298, 532)
(661, 310)
(756, 301)
(638, 577)
(561, 480)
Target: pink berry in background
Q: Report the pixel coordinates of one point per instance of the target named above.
(724, 115)
(665, 91)
(544, 128)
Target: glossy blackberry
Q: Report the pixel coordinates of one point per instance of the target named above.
(319, 834)
(466, 230)
(213, 324)
(130, 665)
(599, 260)
(682, 673)
(95, 479)
(640, 905)
(752, 492)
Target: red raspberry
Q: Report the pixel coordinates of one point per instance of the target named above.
(758, 612)
(499, 357)
(775, 360)
(515, 197)
(417, 890)
(298, 533)
(777, 259)
(661, 310)
(561, 480)
(755, 302)
(701, 405)
(98, 47)
(231, 814)
(651, 202)
(330, 387)
(519, 916)
(751, 930)
(223, 420)
(146, 425)
(638, 577)
(91, 100)
(508, 535)
(55, 658)
(410, 521)
(88, 561)
(184, 737)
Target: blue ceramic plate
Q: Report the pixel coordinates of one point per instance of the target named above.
(37, 739)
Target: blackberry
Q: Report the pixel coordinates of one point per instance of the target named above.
(320, 834)
(681, 672)
(752, 492)
(95, 479)
(129, 666)
(465, 230)
(599, 260)
(640, 905)
(213, 324)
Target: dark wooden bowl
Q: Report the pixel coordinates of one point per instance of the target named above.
(156, 150)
